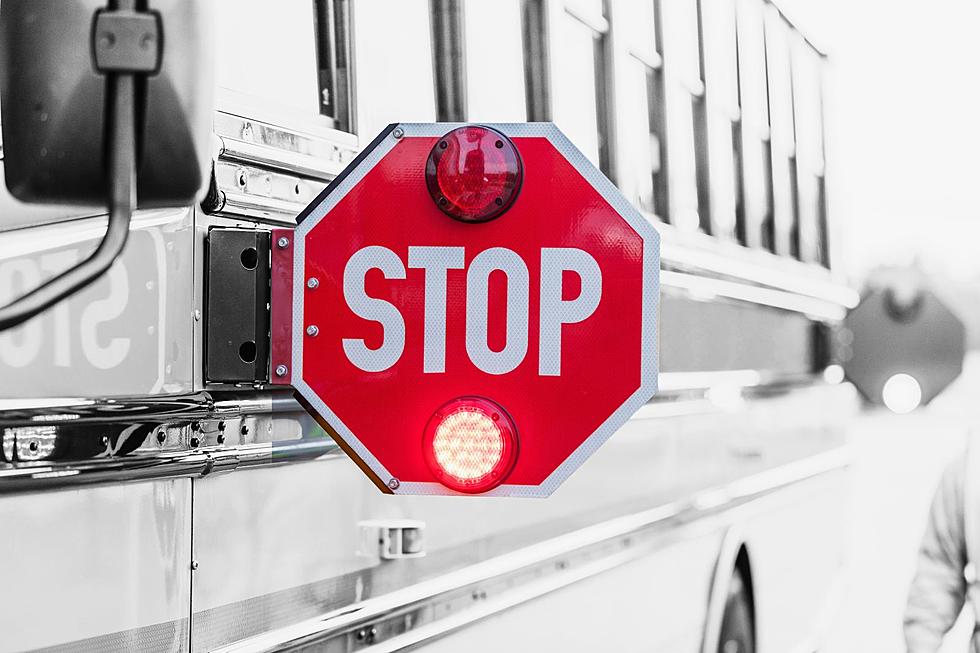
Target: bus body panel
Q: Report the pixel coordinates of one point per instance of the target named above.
(151, 509)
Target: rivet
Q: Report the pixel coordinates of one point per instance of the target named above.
(282, 242)
(281, 370)
(397, 132)
(312, 330)
(312, 283)
(194, 565)
(394, 483)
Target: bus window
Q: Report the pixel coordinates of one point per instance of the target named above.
(684, 102)
(783, 142)
(756, 230)
(494, 65)
(449, 65)
(268, 58)
(578, 54)
(334, 62)
(478, 62)
(642, 111)
(721, 99)
(807, 104)
(394, 84)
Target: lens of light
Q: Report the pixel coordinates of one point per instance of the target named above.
(470, 444)
(474, 173)
(901, 393)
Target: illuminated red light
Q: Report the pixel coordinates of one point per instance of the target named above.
(470, 444)
(474, 173)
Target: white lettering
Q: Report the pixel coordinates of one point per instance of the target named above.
(556, 311)
(436, 261)
(477, 300)
(19, 347)
(373, 309)
(106, 310)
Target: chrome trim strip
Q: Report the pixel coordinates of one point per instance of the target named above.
(273, 157)
(261, 208)
(709, 288)
(42, 476)
(544, 561)
(193, 461)
(697, 252)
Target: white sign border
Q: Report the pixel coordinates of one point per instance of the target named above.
(651, 297)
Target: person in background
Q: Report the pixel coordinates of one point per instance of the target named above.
(945, 577)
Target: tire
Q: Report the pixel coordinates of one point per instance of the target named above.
(737, 628)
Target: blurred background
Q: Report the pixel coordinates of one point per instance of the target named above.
(902, 109)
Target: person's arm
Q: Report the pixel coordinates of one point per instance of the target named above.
(939, 588)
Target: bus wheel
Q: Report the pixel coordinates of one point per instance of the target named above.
(737, 629)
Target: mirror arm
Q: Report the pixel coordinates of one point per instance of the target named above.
(122, 200)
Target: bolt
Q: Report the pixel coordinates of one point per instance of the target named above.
(194, 565)
(161, 437)
(197, 315)
(195, 426)
(312, 330)
(195, 442)
(221, 425)
(105, 440)
(394, 483)
(281, 370)
(282, 242)
(34, 445)
(244, 429)
(312, 283)
(398, 132)
(221, 438)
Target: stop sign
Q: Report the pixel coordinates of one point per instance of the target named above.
(468, 309)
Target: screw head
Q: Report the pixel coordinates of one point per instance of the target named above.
(281, 370)
(394, 483)
(312, 283)
(397, 132)
(282, 242)
(312, 330)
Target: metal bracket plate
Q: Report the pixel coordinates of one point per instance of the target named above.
(127, 42)
(237, 306)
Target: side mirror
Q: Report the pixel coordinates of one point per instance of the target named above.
(103, 105)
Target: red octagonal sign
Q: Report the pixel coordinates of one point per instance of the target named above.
(468, 310)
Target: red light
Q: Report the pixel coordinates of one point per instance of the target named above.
(474, 173)
(470, 444)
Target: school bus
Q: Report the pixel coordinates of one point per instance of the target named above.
(156, 496)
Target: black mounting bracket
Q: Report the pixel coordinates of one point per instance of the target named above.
(236, 301)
